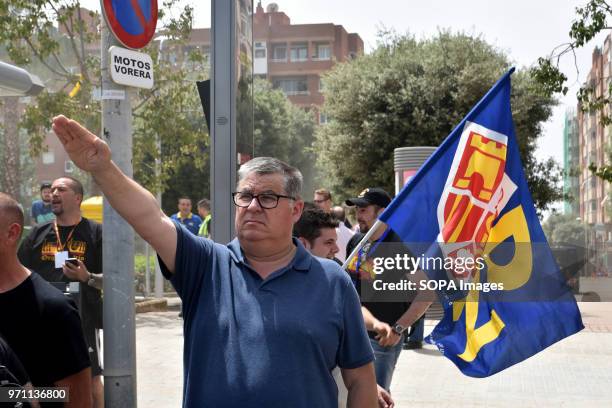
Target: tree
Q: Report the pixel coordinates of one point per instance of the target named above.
(11, 158)
(59, 41)
(284, 131)
(591, 20)
(564, 229)
(413, 93)
(280, 130)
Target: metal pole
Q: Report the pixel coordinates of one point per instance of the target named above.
(361, 243)
(147, 271)
(159, 279)
(223, 119)
(118, 249)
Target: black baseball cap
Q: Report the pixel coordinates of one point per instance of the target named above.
(44, 184)
(369, 196)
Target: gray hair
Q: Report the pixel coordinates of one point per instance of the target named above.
(269, 165)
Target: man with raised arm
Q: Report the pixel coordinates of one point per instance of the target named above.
(265, 321)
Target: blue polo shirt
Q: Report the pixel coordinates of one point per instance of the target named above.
(192, 222)
(264, 343)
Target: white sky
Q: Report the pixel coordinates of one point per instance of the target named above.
(524, 29)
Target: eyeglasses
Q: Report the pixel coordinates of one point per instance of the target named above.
(265, 200)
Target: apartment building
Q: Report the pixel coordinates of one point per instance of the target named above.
(593, 148)
(571, 163)
(293, 56)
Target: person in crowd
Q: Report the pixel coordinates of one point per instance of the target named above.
(323, 200)
(316, 230)
(265, 321)
(190, 221)
(204, 212)
(370, 203)
(340, 214)
(39, 323)
(41, 211)
(69, 249)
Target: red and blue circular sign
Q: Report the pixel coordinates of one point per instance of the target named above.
(132, 21)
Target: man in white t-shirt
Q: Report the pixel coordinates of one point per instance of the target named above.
(323, 200)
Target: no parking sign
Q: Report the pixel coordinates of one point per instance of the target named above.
(132, 22)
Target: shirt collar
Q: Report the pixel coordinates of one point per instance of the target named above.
(301, 261)
(178, 215)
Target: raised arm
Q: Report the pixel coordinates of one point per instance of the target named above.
(133, 202)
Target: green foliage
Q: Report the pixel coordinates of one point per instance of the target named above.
(280, 130)
(413, 93)
(284, 131)
(69, 64)
(561, 228)
(590, 20)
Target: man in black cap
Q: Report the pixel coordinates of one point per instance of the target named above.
(400, 315)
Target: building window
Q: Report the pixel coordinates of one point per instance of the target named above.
(292, 86)
(68, 166)
(48, 157)
(299, 52)
(260, 53)
(323, 52)
(279, 52)
(321, 85)
(323, 119)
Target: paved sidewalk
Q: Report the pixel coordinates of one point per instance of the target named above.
(159, 359)
(576, 372)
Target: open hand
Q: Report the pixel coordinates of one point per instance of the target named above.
(86, 150)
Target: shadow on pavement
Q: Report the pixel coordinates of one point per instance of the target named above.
(428, 352)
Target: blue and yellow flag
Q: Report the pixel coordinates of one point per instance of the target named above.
(470, 199)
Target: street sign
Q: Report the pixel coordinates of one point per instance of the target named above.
(131, 68)
(132, 22)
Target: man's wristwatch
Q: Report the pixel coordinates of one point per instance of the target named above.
(398, 329)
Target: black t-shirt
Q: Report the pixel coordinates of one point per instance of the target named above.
(388, 312)
(43, 328)
(84, 242)
(11, 369)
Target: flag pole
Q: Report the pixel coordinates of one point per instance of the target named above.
(361, 243)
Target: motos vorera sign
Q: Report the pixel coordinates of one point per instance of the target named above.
(131, 68)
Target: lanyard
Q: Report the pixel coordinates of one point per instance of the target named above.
(61, 247)
(363, 251)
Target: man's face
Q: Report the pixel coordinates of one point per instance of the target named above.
(322, 202)
(184, 206)
(267, 228)
(325, 246)
(64, 201)
(45, 194)
(366, 217)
